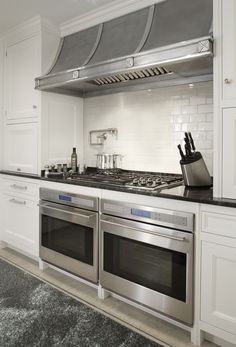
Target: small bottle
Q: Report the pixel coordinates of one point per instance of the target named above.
(74, 160)
(59, 168)
(46, 172)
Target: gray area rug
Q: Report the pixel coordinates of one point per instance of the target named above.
(32, 313)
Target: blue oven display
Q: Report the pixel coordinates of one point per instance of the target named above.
(65, 198)
(140, 213)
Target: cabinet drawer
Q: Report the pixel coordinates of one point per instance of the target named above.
(219, 224)
(20, 224)
(20, 187)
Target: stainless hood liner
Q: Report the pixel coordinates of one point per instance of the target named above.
(170, 40)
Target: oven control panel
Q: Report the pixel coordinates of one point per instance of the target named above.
(70, 199)
(174, 219)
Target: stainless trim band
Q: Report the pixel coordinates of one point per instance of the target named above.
(147, 29)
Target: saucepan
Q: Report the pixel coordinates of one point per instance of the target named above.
(108, 161)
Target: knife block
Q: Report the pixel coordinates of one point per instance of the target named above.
(195, 172)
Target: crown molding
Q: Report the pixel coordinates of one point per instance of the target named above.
(103, 14)
(32, 24)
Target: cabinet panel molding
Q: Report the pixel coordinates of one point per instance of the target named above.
(219, 224)
(229, 153)
(20, 224)
(21, 147)
(22, 65)
(218, 286)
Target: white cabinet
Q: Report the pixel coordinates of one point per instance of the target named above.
(224, 97)
(20, 224)
(22, 65)
(20, 215)
(22, 104)
(229, 49)
(218, 272)
(219, 285)
(229, 153)
(62, 128)
(21, 147)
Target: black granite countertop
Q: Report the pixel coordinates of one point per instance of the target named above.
(203, 196)
(20, 174)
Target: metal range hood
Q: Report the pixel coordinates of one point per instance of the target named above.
(165, 44)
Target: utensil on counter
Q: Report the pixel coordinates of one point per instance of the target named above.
(194, 170)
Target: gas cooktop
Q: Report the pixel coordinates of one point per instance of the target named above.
(150, 181)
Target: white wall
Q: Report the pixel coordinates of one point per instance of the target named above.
(150, 125)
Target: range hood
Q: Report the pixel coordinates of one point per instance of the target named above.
(165, 44)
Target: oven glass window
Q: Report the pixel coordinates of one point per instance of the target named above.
(73, 240)
(160, 269)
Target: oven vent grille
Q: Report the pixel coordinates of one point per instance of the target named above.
(133, 75)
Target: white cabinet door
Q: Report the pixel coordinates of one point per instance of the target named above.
(62, 128)
(21, 224)
(22, 66)
(229, 49)
(218, 286)
(21, 147)
(229, 153)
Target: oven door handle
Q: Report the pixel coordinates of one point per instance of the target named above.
(172, 237)
(69, 212)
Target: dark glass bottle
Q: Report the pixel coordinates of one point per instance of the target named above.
(74, 160)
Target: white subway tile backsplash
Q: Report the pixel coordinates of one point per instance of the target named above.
(189, 127)
(209, 117)
(207, 126)
(194, 118)
(189, 109)
(150, 125)
(209, 101)
(182, 118)
(197, 100)
(205, 108)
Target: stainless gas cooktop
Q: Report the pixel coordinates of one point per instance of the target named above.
(131, 179)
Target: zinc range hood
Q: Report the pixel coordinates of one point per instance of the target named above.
(168, 43)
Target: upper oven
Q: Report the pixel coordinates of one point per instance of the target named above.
(146, 257)
(69, 232)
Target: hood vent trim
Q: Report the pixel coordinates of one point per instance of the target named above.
(163, 41)
(130, 76)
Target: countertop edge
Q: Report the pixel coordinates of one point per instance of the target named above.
(199, 199)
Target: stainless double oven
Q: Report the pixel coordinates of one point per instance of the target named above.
(69, 232)
(145, 253)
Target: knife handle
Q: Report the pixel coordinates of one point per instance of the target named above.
(181, 152)
(187, 151)
(191, 141)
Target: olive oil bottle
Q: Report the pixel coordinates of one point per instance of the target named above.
(74, 160)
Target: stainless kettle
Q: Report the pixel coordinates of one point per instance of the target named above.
(108, 161)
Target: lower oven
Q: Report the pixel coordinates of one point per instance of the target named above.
(69, 232)
(146, 255)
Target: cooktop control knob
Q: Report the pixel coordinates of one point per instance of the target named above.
(135, 181)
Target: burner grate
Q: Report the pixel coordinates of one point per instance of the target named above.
(131, 179)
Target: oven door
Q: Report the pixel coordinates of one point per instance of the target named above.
(69, 239)
(149, 264)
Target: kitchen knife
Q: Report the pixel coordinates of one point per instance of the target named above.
(187, 150)
(191, 141)
(181, 152)
(187, 147)
(187, 141)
